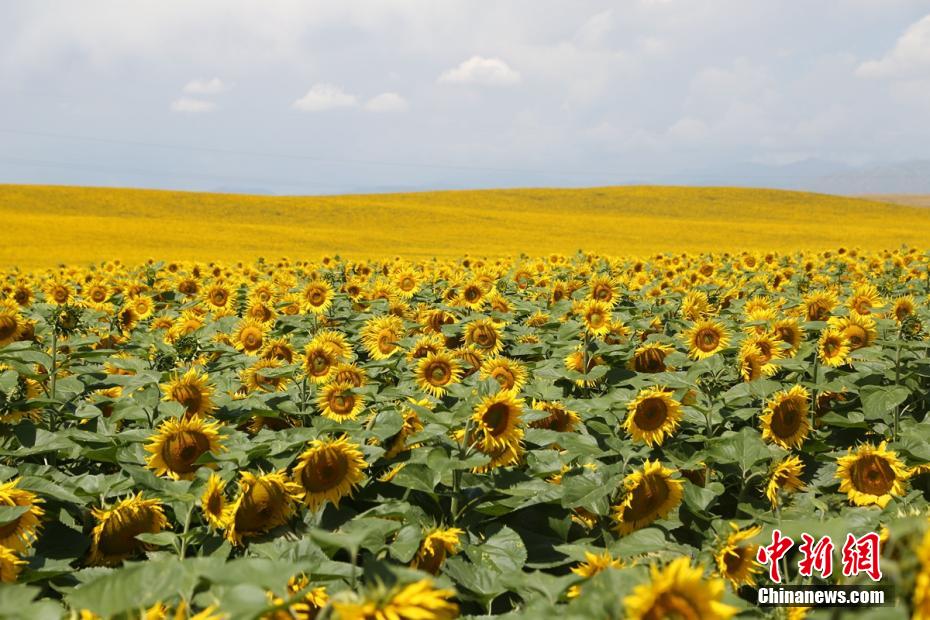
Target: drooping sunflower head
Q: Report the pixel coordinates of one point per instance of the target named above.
(785, 420)
(784, 478)
(679, 590)
(789, 332)
(397, 443)
(317, 297)
(484, 335)
(264, 502)
(249, 336)
(11, 322)
(736, 557)
(279, 349)
(381, 336)
(20, 533)
(329, 470)
(871, 475)
(10, 565)
(113, 538)
(858, 329)
(650, 494)
(192, 390)
(213, 502)
(833, 348)
(429, 343)
(438, 544)
(334, 340)
(340, 401)
(705, 338)
(510, 374)
(904, 307)
(559, 418)
(864, 298)
(819, 305)
(436, 372)
(178, 443)
(594, 563)
(652, 416)
(650, 357)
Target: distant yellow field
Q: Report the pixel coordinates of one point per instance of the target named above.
(47, 225)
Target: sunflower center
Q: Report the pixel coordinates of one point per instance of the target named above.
(672, 605)
(251, 338)
(386, 341)
(119, 534)
(818, 311)
(98, 294)
(484, 337)
(218, 297)
(596, 319)
(496, 418)
(736, 560)
(189, 396)
(602, 293)
(831, 347)
(439, 373)
(182, 449)
(648, 497)
(863, 306)
(60, 294)
(8, 326)
(326, 472)
(260, 505)
(316, 298)
(873, 475)
(319, 364)
(651, 414)
(650, 360)
(407, 284)
(342, 403)
(856, 336)
(707, 340)
(786, 418)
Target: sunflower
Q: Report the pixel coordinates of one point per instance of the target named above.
(751, 363)
(678, 590)
(259, 378)
(473, 295)
(316, 297)
(415, 601)
(596, 317)
(871, 475)
(57, 292)
(484, 335)
(380, 336)
(329, 470)
(349, 373)
(594, 563)
(220, 299)
(406, 283)
(192, 390)
(819, 305)
(903, 308)
(864, 298)
(575, 361)
(397, 443)
(785, 420)
(560, 418)
(833, 348)
(20, 533)
(319, 360)
(497, 422)
(858, 329)
(334, 340)
(603, 288)
(178, 443)
(650, 494)
(736, 558)
(785, 477)
(213, 502)
(436, 372)
(789, 332)
(339, 402)
(652, 416)
(510, 374)
(307, 607)
(705, 338)
(249, 336)
(278, 349)
(650, 357)
(11, 322)
(430, 343)
(113, 538)
(438, 544)
(264, 502)
(10, 565)
(695, 306)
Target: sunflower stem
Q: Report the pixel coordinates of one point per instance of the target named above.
(182, 552)
(53, 422)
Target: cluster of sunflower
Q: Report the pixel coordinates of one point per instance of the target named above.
(581, 435)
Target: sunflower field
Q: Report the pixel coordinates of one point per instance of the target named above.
(575, 436)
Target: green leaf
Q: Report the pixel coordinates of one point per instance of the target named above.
(743, 449)
(503, 552)
(878, 400)
(8, 514)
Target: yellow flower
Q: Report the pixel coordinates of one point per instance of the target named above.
(10, 565)
(436, 546)
(785, 478)
(11, 322)
(264, 502)
(650, 494)
(329, 470)
(339, 402)
(178, 443)
(249, 336)
(596, 317)
(113, 538)
(594, 563)
(381, 335)
(213, 502)
(871, 475)
(650, 357)
(20, 533)
(317, 297)
(706, 338)
(858, 329)
(678, 590)
(192, 390)
(785, 420)
(484, 335)
(736, 558)
(436, 372)
(652, 416)
(833, 347)
(415, 601)
(510, 374)
(560, 418)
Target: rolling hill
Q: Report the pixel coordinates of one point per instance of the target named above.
(48, 225)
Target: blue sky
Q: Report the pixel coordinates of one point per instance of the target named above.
(320, 97)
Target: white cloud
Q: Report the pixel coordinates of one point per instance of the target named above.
(910, 55)
(324, 96)
(202, 86)
(387, 102)
(481, 70)
(688, 129)
(191, 105)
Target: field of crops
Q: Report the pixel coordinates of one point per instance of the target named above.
(573, 436)
(50, 225)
